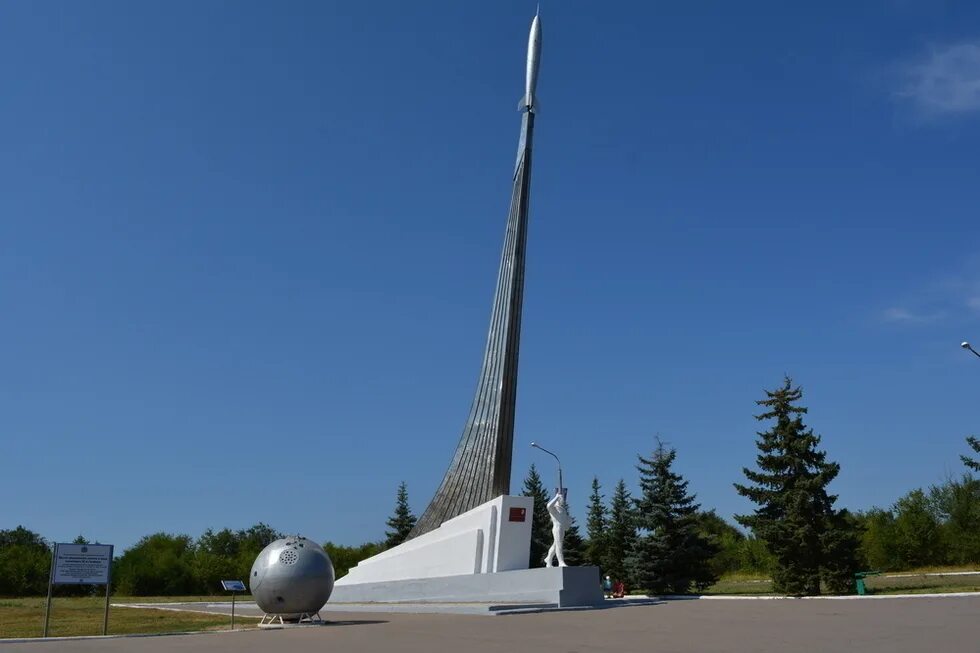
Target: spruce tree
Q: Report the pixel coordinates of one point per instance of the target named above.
(540, 520)
(574, 547)
(670, 555)
(595, 524)
(402, 522)
(840, 545)
(972, 463)
(620, 533)
(795, 516)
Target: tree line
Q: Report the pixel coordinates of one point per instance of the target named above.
(166, 564)
(161, 564)
(660, 540)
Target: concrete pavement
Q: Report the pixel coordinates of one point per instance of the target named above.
(909, 625)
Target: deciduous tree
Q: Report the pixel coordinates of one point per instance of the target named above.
(158, 565)
(917, 532)
(346, 557)
(956, 503)
(25, 561)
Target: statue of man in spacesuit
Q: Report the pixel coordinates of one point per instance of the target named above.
(560, 522)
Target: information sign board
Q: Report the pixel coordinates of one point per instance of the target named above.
(233, 585)
(82, 564)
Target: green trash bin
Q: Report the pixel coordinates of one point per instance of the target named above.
(859, 581)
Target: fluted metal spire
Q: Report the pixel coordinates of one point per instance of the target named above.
(480, 468)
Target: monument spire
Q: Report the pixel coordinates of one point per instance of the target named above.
(480, 468)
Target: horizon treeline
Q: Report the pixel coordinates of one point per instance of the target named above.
(159, 564)
(661, 540)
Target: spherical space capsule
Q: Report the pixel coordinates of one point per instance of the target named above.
(292, 578)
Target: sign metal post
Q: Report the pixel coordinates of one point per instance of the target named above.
(233, 586)
(108, 586)
(47, 605)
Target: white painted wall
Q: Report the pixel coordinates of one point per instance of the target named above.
(483, 540)
(513, 538)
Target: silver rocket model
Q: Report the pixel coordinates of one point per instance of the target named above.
(529, 102)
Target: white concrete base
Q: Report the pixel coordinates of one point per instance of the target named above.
(492, 537)
(558, 586)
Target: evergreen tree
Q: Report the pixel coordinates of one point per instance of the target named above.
(402, 522)
(795, 516)
(840, 545)
(595, 524)
(540, 519)
(620, 532)
(670, 555)
(574, 547)
(970, 462)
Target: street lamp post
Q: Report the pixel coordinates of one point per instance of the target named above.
(966, 345)
(560, 485)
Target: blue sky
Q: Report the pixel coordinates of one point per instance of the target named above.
(247, 251)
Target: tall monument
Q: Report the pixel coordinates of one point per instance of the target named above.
(480, 468)
(472, 543)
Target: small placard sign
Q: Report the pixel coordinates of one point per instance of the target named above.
(233, 585)
(517, 514)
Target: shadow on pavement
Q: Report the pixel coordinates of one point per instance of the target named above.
(606, 605)
(354, 622)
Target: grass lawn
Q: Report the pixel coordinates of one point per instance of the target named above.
(83, 616)
(223, 598)
(911, 582)
(917, 583)
(741, 584)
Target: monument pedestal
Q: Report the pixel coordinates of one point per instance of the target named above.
(493, 537)
(480, 556)
(558, 586)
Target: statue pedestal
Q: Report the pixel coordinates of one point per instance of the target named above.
(492, 537)
(480, 556)
(547, 586)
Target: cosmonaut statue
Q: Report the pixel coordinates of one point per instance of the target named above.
(560, 522)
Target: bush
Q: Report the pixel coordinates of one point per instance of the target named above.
(25, 563)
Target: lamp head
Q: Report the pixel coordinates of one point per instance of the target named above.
(535, 444)
(964, 345)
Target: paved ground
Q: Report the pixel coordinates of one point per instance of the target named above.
(250, 608)
(946, 625)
